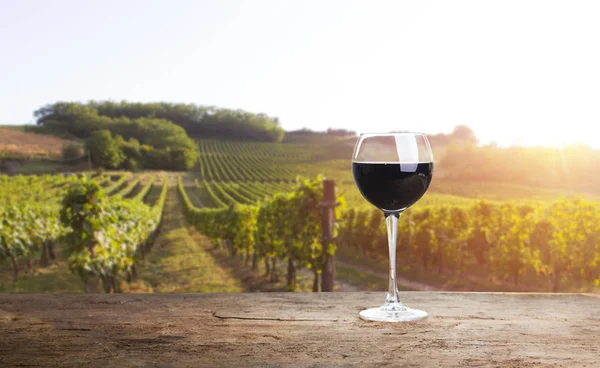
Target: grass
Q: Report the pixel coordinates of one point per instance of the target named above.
(18, 127)
(256, 280)
(53, 279)
(183, 260)
(179, 262)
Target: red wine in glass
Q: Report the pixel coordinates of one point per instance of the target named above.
(392, 171)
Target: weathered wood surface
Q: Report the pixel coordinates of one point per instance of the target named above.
(298, 330)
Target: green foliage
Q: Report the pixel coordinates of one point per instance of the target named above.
(29, 218)
(105, 150)
(144, 141)
(127, 189)
(554, 243)
(72, 152)
(250, 161)
(107, 235)
(285, 226)
(141, 195)
(121, 181)
(198, 121)
(246, 191)
(43, 189)
(24, 229)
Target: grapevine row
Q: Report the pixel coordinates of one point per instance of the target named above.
(27, 229)
(264, 150)
(545, 245)
(233, 190)
(213, 197)
(286, 226)
(119, 233)
(122, 179)
(141, 195)
(222, 194)
(127, 189)
(220, 162)
(32, 189)
(108, 235)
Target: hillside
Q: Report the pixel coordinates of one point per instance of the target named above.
(235, 176)
(15, 142)
(227, 166)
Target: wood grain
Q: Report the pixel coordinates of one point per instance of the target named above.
(298, 330)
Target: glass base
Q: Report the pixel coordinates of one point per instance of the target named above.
(392, 312)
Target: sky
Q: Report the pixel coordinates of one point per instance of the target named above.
(516, 72)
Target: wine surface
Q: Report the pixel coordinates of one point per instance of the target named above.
(392, 187)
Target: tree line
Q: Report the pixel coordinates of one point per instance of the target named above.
(197, 121)
(569, 168)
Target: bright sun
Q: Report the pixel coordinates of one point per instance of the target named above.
(543, 136)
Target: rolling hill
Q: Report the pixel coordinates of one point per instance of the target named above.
(15, 142)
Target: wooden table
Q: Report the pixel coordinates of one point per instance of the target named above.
(298, 330)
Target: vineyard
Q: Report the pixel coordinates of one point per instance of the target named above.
(104, 235)
(283, 226)
(104, 225)
(539, 243)
(243, 173)
(246, 199)
(550, 247)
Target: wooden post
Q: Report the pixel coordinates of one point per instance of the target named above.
(328, 206)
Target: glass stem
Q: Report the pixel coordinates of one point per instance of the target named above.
(391, 220)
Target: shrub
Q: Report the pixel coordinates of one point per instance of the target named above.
(72, 152)
(105, 150)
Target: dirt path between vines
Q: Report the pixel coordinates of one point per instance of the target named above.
(179, 261)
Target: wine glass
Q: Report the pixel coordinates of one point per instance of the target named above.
(392, 171)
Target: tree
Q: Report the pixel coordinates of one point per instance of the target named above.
(72, 152)
(464, 134)
(105, 150)
(132, 148)
(197, 121)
